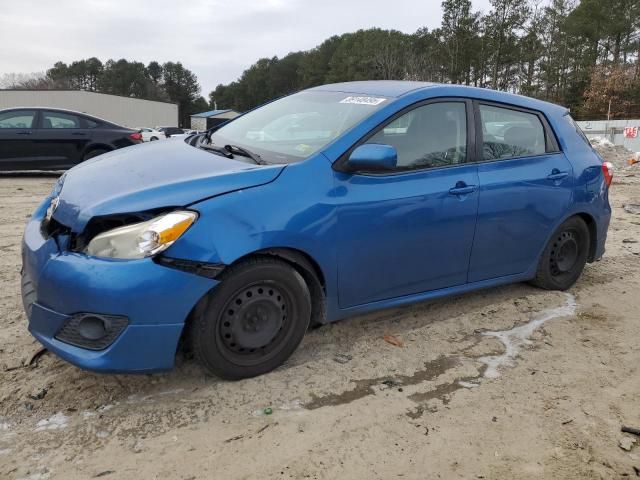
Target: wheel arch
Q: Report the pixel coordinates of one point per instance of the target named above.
(96, 146)
(310, 271)
(593, 233)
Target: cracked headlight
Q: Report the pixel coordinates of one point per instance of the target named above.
(141, 239)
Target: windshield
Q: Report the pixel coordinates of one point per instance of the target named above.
(294, 127)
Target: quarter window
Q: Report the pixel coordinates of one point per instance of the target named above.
(59, 120)
(17, 119)
(510, 133)
(433, 135)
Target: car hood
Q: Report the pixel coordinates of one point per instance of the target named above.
(150, 176)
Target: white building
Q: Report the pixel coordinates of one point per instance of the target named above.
(125, 111)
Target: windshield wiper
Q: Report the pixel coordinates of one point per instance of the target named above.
(245, 153)
(220, 151)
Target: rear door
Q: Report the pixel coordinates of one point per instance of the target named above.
(410, 230)
(526, 187)
(17, 150)
(60, 139)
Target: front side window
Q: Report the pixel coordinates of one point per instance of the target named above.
(510, 133)
(59, 120)
(295, 127)
(17, 119)
(433, 135)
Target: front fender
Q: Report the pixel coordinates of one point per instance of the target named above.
(295, 211)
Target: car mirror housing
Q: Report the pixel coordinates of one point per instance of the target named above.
(372, 157)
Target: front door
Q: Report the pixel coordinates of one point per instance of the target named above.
(410, 230)
(526, 187)
(17, 150)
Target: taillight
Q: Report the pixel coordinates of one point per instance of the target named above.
(135, 136)
(607, 169)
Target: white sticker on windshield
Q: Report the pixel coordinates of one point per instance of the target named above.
(373, 101)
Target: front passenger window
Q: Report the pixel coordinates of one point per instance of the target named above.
(17, 119)
(433, 135)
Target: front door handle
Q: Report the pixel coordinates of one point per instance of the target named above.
(557, 175)
(24, 133)
(78, 133)
(462, 189)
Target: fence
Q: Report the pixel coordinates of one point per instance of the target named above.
(614, 131)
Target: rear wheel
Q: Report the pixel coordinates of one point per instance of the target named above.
(94, 153)
(153, 139)
(253, 321)
(564, 257)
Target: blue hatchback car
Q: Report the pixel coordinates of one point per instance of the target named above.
(330, 202)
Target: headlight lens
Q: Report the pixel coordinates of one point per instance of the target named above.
(141, 239)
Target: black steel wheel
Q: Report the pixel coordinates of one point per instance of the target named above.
(253, 321)
(565, 256)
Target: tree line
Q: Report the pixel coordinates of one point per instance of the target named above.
(582, 54)
(169, 82)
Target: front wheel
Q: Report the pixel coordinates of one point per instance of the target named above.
(564, 257)
(253, 320)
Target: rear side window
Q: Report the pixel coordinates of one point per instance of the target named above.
(510, 133)
(579, 131)
(59, 120)
(17, 119)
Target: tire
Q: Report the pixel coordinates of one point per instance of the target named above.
(252, 321)
(94, 153)
(153, 139)
(564, 257)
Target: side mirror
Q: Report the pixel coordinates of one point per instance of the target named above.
(372, 157)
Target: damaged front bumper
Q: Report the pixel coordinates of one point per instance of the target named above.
(61, 289)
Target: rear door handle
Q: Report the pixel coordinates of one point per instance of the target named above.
(24, 133)
(557, 175)
(463, 189)
(78, 133)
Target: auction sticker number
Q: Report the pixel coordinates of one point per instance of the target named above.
(631, 132)
(373, 101)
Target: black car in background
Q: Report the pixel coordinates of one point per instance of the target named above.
(168, 131)
(54, 139)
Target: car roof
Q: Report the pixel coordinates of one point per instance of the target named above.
(62, 110)
(385, 88)
(399, 88)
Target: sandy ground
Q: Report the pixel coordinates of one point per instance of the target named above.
(348, 404)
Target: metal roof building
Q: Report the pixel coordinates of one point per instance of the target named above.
(125, 111)
(205, 120)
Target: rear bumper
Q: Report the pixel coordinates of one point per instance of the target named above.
(156, 301)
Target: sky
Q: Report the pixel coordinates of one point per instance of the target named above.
(216, 39)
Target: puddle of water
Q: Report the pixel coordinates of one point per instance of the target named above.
(517, 337)
(431, 371)
(54, 422)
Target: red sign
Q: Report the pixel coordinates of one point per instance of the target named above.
(631, 132)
